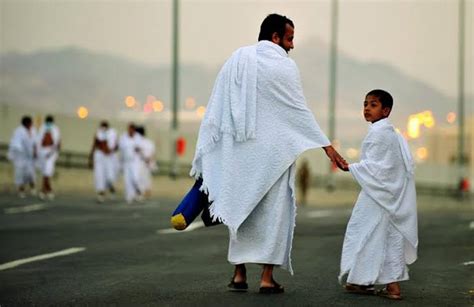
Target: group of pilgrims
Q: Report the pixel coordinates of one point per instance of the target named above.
(132, 155)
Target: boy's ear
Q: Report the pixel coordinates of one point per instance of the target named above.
(386, 111)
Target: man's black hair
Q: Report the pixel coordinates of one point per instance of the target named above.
(140, 130)
(49, 119)
(274, 23)
(26, 121)
(383, 96)
(104, 124)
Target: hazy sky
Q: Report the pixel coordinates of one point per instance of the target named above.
(417, 36)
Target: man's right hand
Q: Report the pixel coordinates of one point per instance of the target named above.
(336, 158)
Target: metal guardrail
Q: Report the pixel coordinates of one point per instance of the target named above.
(72, 159)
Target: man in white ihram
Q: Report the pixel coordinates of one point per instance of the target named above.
(22, 152)
(256, 125)
(48, 143)
(130, 155)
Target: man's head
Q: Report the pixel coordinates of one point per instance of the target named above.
(131, 129)
(26, 121)
(279, 30)
(49, 120)
(104, 125)
(377, 105)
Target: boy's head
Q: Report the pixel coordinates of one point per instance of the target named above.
(377, 105)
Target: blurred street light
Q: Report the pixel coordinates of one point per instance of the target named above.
(422, 153)
(190, 103)
(451, 117)
(200, 111)
(82, 112)
(158, 106)
(130, 101)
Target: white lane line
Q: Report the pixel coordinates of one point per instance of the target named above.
(193, 226)
(471, 225)
(29, 208)
(469, 263)
(19, 262)
(320, 213)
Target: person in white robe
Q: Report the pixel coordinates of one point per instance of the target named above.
(113, 157)
(48, 143)
(382, 234)
(130, 146)
(148, 162)
(101, 159)
(22, 152)
(256, 125)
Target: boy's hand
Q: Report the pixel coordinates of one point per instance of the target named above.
(336, 158)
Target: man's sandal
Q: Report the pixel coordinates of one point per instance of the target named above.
(384, 293)
(275, 289)
(237, 286)
(359, 289)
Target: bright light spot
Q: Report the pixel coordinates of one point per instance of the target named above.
(422, 153)
(200, 111)
(190, 103)
(352, 153)
(148, 107)
(428, 119)
(82, 112)
(130, 102)
(413, 126)
(158, 106)
(451, 117)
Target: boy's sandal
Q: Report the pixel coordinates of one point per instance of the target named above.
(275, 289)
(237, 286)
(384, 293)
(359, 289)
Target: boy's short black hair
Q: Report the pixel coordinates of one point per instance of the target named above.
(26, 121)
(274, 23)
(383, 96)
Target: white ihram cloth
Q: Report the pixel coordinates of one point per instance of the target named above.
(47, 155)
(382, 234)
(147, 163)
(256, 125)
(21, 152)
(105, 168)
(131, 160)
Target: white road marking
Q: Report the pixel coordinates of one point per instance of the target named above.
(469, 263)
(471, 225)
(29, 208)
(193, 226)
(320, 213)
(19, 262)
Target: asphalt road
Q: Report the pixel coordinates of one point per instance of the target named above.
(127, 257)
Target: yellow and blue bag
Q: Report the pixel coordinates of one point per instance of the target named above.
(190, 207)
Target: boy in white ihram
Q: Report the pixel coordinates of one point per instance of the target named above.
(130, 152)
(382, 235)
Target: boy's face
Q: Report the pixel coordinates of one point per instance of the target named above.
(373, 110)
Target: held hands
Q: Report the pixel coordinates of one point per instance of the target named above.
(336, 158)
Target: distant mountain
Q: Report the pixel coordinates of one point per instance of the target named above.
(61, 80)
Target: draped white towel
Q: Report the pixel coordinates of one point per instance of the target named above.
(256, 125)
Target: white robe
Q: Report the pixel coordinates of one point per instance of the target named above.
(105, 169)
(382, 233)
(256, 125)
(47, 155)
(21, 152)
(147, 163)
(131, 161)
